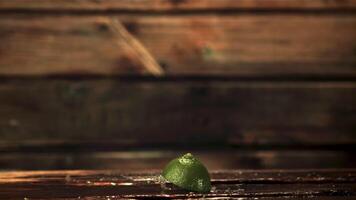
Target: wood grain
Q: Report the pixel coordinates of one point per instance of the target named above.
(233, 45)
(141, 52)
(170, 5)
(64, 46)
(113, 184)
(178, 112)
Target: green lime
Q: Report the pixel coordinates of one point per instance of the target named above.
(188, 173)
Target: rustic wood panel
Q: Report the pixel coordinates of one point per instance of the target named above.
(249, 44)
(63, 45)
(178, 112)
(233, 45)
(169, 5)
(115, 185)
(141, 160)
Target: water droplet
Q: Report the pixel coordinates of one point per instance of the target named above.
(124, 183)
(213, 189)
(161, 179)
(68, 178)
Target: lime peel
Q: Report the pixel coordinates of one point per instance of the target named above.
(188, 173)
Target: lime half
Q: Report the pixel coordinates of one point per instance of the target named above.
(188, 173)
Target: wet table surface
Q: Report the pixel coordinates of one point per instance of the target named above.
(239, 184)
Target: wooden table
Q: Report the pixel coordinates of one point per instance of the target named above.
(241, 184)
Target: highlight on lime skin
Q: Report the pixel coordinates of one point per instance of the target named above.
(188, 173)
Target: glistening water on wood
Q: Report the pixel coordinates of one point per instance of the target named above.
(188, 173)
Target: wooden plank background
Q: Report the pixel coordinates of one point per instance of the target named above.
(233, 45)
(234, 73)
(192, 112)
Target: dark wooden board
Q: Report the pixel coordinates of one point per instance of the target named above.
(136, 160)
(200, 44)
(180, 112)
(114, 184)
(171, 5)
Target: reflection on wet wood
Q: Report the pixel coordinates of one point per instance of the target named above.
(174, 5)
(113, 184)
(238, 198)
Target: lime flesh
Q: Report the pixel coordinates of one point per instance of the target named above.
(188, 173)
